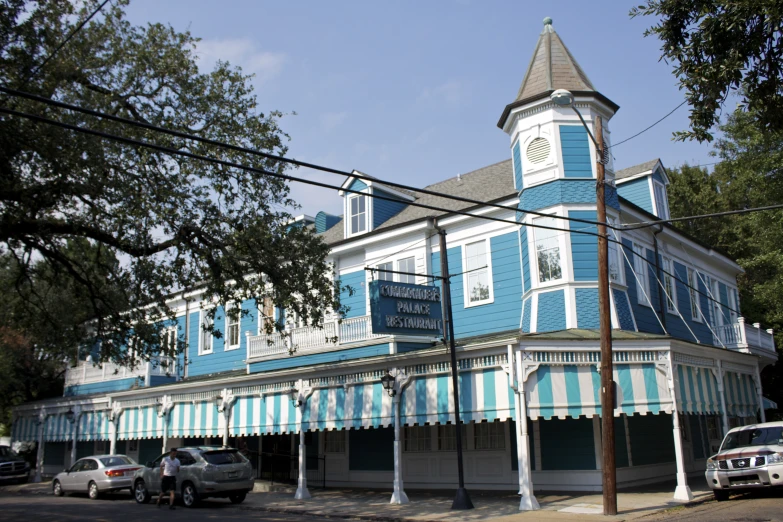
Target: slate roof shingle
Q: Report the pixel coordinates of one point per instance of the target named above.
(636, 169)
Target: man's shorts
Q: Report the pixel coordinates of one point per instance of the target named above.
(169, 484)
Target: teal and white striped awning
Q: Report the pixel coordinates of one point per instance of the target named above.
(255, 415)
(199, 419)
(25, 429)
(698, 391)
(769, 404)
(94, 425)
(365, 405)
(140, 423)
(484, 394)
(574, 390)
(741, 397)
(57, 428)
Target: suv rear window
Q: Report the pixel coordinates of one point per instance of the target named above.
(223, 457)
(753, 437)
(116, 461)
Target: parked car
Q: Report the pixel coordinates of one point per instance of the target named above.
(750, 457)
(95, 475)
(12, 466)
(206, 471)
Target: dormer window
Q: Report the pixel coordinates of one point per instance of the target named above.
(357, 206)
(661, 205)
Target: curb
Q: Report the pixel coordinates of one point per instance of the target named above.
(342, 516)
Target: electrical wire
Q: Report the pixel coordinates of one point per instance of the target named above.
(237, 148)
(650, 127)
(646, 224)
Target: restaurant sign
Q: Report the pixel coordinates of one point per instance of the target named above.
(405, 309)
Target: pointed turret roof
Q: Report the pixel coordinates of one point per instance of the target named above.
(552, 67)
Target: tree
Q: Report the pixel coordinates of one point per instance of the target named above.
(173, 223)
(749, 174)
(719, 48)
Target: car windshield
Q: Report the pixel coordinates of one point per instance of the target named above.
(120, 460)
(223, 457)
(753, 437)
(6, 452)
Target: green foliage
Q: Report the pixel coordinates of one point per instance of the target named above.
(720, 47)
(750, 174)
(157, 224)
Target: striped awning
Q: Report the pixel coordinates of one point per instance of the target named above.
(741, 397)
(769, 404)
(574, 390)
(25, 429)
(365, 405)
(255, 415)
(140, 423)
(199, 419)
(698, 391)
(57, 428)
(94, 425)
(485, 394)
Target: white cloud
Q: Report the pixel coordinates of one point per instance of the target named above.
(243, 52)
(330, 120)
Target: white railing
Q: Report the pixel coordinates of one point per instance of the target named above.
(311, 338)
(741, 336)
(86, 372)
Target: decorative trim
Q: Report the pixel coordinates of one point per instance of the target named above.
(694, 360)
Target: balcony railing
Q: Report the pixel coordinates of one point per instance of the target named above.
(87, 373)
(310, 338)
(742, 336)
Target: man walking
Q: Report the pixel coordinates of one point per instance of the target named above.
(169, 467)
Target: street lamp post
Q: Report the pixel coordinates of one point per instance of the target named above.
(393, 385)
(564, 98)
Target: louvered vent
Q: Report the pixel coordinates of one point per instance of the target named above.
(538, 150)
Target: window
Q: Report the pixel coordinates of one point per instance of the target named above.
(489, 436)
(267, 314)
(668, 282)
(222, 457)
(119, 460)
(716, 308)
(477, 274)
(168, 341)
(640, 267)
(233, 316)
(185, 458)
(205, 343)
(447, 437)
(407, 265)
(386, 276)
(357, 207)
(713, 430)
(418, 438)
(733, 304)
(615, 257)
(693, 282)
(547, 251)
(661, 204)
(334, 441)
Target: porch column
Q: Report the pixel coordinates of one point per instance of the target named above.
(527, 501)
(400, 380)
(74, 432)
(39, 458)
(226, 407)
(114, 417)
(757, 381)
(163, 412)
(301, 490)
(682, 492)
(724, 413)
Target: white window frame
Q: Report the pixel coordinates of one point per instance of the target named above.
(335, 441)
(693, 286)
(447, 437)
(489, 436)
(169, 337)
(717, 308)
(615, 255)
(662, 206)
(671, 287)
(410, 266)
(562, 249)
(640, 266)
(733, 304)
(417, 439)
(348, 212)
(229, 324)
(467, 275)
(385, 276)
(202, 339)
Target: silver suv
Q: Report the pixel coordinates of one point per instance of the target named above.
(206, 471)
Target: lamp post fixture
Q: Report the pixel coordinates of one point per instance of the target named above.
(564, 98)
(70, 415)
(388, 384)
(393, 382)
(298, 396)
(295, 397)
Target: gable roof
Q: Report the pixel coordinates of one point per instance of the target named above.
(648, 167)
(486, 184)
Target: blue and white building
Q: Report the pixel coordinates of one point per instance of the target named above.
(526, 323)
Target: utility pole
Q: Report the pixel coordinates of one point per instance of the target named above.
(607, 371)
(462, 499)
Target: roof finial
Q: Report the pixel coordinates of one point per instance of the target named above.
(547, 21)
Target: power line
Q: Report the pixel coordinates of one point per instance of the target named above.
(225, 163)
(237, 148)
(645, 224)
(63, 43)
(650, 127)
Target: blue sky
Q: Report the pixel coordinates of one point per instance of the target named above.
(412, 91)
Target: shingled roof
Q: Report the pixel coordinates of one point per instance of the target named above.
(636, 169)
(485, 184)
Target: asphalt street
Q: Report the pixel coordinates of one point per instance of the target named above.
(762, 506)
(121, 507)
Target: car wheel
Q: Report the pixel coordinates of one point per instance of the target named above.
(140, 492)
(92, 491)
(57, 489)
(238, 498)
(190, 496)
(720, 495)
